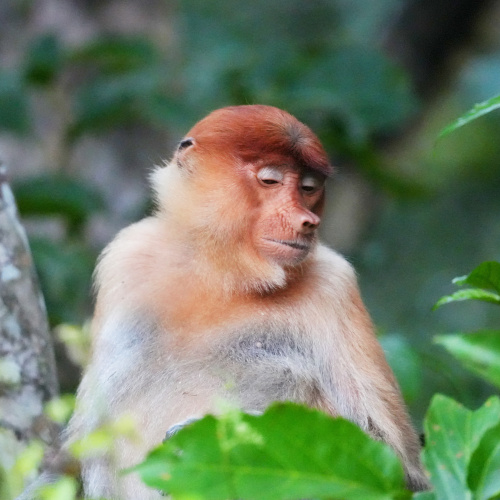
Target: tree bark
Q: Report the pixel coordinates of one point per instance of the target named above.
(27, 366)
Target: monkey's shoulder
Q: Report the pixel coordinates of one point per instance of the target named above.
(137, 252)
(139, 240)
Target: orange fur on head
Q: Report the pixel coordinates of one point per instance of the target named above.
(192, 190)
(256, 132)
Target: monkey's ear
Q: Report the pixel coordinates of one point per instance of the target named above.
(185, 143)
(181, 159)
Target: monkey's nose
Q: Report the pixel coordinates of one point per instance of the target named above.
(306, 222)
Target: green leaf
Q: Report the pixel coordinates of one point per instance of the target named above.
(60, 409)
(19, 463)
(479, 352)
(58, 194)
(113, 100)
(469, 294)
(166, 111)
(65, 488)
(484, 472)
(44, 60)
(453, 433)
(288, 452)
(486, 275)
(14, 109)
(361, 86)
(29, 459)
(117, 54)
(100, 441)
(477, 111)
(65, 273)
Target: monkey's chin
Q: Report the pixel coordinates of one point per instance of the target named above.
(287, 252)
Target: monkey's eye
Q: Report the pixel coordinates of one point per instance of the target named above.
(270, 175)
(185, 143)
(311, 183)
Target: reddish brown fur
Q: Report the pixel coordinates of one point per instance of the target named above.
(255, 132)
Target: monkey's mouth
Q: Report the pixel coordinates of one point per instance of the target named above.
(297, 245)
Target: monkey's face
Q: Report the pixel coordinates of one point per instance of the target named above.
(290, 205)
(252, 184)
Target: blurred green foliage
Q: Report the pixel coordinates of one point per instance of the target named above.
(406, 364)
(43, 61)
(311, 62)
(59, 194)
(14, 109)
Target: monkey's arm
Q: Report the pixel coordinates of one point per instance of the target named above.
(362, 385)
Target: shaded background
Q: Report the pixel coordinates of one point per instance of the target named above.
(93, 93)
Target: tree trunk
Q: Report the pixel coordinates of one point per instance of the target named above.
(429, 33)
(27, 366)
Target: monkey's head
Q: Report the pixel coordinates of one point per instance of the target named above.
(248, 180)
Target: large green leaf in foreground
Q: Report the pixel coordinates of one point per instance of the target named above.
(484, 472)
(459, 454)
(288, 452)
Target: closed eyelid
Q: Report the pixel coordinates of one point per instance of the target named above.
(271, 173)
(311, 184)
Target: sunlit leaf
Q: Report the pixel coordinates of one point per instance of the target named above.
(486, 275)
(29, 459)
(479, 352)
(64, 488)
(76, 340)
(102, 440)
(288, 452)
(60, 409)
(469, 294)
(477, 111)
(96, 443)
(453, 433)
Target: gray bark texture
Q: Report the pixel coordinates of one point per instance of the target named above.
(27, 366)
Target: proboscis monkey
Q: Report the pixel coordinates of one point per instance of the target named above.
(225, 293)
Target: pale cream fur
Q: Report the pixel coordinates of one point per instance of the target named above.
(141, 266)
(188, 313)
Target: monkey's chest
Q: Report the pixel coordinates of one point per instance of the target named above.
(262, 366)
